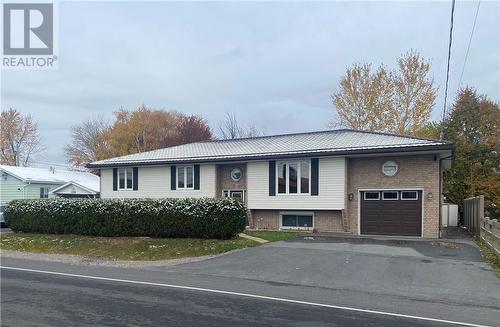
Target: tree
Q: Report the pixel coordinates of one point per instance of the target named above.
(134, 131)
(88, 143)
(230, 128)
(364, 97)
(398, 101)
(193, 129)
(474, 125)
(19, 139)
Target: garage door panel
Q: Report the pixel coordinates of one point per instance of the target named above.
(391, 217)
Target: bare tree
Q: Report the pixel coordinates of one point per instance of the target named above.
(230, 128)
(89, 142)
(19, 139)
(398, 101)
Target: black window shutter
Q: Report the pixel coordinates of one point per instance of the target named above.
(135, 176)
(314, 176)
(173, 177)
(196, 177)
(115, 179)
(272, 178)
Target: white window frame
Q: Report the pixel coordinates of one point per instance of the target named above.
(384, 199)
(364, 196)
(287, 176)
(185, 177)
(296, 213)
(125, 188)
(46, 191)
(229, 193)
(415, 199)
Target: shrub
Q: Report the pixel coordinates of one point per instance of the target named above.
(200, 218)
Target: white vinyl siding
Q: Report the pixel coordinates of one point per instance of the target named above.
(331, 188)
(154, 182)
(13, 189)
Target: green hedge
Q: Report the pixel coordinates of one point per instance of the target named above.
(200, 218)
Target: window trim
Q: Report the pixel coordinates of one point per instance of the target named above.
(125, 188)
(185, 177)
(377, 199)
(396, 199)
(287, 176)
(229, 193)
(46, 191)
(296, 213)
(415, 199)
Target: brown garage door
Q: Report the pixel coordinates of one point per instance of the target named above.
(391, 212)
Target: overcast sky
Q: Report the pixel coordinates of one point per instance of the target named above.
(274, 65)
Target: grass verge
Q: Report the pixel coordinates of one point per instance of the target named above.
(273, 236)
(121, 248)
(489, 256)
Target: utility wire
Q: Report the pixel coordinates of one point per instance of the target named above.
(470, 41)
(448, 66)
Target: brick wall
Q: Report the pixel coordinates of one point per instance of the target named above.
(414, 171)
(224, 180)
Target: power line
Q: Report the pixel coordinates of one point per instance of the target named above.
(449, 57)
(470, 41)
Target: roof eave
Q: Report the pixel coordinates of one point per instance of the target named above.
(439, 147)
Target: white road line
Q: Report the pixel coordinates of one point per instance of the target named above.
(243, 295)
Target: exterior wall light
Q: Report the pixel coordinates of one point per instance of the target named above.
(430, 196)
(350, 196)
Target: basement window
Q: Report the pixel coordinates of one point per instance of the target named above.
(300, 220)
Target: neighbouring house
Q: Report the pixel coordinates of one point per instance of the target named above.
(337, 181)
(36, 183)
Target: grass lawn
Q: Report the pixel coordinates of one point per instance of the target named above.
(273, 236)
(489, 256)
(120, 248)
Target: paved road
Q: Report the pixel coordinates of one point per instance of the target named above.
(30, 299)
(413, 279)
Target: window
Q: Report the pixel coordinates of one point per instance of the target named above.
(125, 178)
(44, 192)
(185, 177)
(390, 168)
(372, 195)
(389, 195)
(235, 194)
(293, 177)
(292, 220)
(409, 195)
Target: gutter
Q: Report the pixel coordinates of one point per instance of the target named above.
(452, 157)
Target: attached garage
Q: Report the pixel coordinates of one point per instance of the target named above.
(391, 212)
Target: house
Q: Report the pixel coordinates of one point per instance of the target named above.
(36, 183)
(337, 181)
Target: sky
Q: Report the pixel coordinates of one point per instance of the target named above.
(274, 65)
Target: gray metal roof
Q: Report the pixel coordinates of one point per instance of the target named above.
(343, 141)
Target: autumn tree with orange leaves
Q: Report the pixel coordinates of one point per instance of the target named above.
(398, 101)
(134, 131)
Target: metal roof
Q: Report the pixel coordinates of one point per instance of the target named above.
(334, 142)
(57, 176)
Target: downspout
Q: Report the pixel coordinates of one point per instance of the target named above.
(452, 156)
